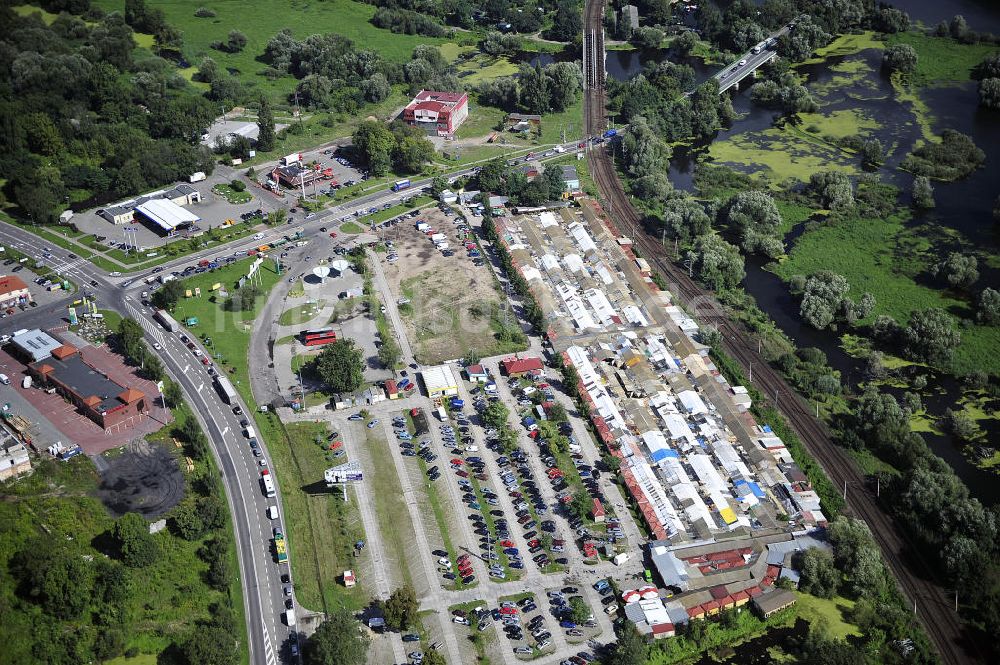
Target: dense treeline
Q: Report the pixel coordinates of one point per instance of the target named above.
(518, 16)
(552, 88)
(83, 120)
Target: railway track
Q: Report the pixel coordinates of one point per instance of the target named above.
(932, 603)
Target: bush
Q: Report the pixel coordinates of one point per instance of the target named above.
(238, 185)
(204, 12)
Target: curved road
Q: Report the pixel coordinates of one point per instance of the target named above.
(933, 604)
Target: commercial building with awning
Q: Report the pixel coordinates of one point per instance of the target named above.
(166, 215)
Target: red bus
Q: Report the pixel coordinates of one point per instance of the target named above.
(318, 337)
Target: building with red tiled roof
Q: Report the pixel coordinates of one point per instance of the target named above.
(98, 397)
(437, 113)
(597, 511)
(391, 390)
(13, 290)
(521, 366)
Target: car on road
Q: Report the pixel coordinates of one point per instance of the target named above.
(743, 62)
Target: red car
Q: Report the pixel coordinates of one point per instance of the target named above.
(462, 474)
(508, 543)
(204, 360)
(509, 611)
(534, 542)
(463, 558)
(457, 461)
(333, 234)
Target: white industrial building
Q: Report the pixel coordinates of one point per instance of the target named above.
(440, 381)
(166, 215)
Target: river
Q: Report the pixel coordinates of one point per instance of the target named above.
(963, 206)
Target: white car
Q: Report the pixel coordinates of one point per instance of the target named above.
(156, 345)
(743, 62)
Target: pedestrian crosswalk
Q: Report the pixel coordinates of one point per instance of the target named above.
(269, 655)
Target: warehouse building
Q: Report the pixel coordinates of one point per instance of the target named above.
(437, 113)
(440, 381)
(92, 391)
(125, 213)
(165, 216)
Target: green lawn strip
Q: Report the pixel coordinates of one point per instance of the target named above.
(321, 527)
(438, 509)
(62, 241)
(480, 639)
(517, 597)
(351, 228)
(393, 518)
(301, 313)
(416, 203)
(512, 574)
(233, 196)
(832, 612)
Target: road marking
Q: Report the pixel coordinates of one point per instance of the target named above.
(200, 386)
(225, 431)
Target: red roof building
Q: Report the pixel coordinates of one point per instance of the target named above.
(437, 113)
(391, 391)
(12, 290)
(597, 511)
(521, 366)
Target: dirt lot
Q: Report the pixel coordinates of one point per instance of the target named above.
(144, 479)
(454, 304)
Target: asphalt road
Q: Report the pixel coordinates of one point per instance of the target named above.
(260, 576)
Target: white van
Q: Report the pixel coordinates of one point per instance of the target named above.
(4, 379)
(248, 433)
(272, 512)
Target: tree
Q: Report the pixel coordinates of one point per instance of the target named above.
(495, 415)
(877, 410)
(168, 295)
(187, 522)
(265, 122)
(376, 88)
(684, 43)
(989, 93)
(438, 184)
(172, 394)
(337, 641)
(581, 505)
(135, 544)
(958, 270)
(375, 143)
(685, 219)
(988, 307)
(930, 336)
(891, 20)
(872, 152)
(631, 648)
(564, 81)
(389, 353)
(566, 22)
(277, 217)
(210, 645)
(129, 338)
(552, 183)
(578, 610)
(647, 37)
(56, 578)
(824, 297)
(900, 58)
(401, 608)
(236, 42)
(433, 656)
(717, 263)
(922, 193)
(644, 153)
(819, 575)
(339, 366)
(757, 220)
(411, 152)
(834, 189)
(39, 192)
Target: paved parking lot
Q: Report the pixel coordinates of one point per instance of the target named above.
(41, 295)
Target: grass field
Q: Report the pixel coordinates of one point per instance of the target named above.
(261, 20)
(941, 60)
(351, 228)
(390, 506)
(301, 313)
(833, 612)
(229, 331)
(321, 527)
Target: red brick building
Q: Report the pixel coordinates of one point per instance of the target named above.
(98, 397)
(437, 113)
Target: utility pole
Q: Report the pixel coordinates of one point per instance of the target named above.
(751, 371)
(298, 111)
(845, 490)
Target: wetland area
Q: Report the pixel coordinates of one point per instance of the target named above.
(892, 257)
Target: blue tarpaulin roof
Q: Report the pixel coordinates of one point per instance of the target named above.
(663, 453)
(767, 428)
